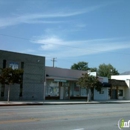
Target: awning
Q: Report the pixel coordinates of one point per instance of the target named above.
(117, 83)
(104, 84)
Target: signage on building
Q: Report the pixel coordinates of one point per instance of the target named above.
(59, 80)
(13, 65)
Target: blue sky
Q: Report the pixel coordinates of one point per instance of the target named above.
(94, 31)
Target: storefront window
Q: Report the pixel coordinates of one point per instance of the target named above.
(76, 90)
(52, 88)
(65, 84)
(120, 92)
(83, 92)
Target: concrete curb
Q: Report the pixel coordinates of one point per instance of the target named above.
(85, 103)
(59, 103)
(18, 104)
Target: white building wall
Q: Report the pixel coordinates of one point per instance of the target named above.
(101, 96)
(124, 93)
(126, 78)
(127, 93)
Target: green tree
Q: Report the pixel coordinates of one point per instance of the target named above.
(107, 70)
(88, 81)
(8, 76)
(93, 69)
(82, 66)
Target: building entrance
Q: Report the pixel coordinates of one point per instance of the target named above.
(64, 91)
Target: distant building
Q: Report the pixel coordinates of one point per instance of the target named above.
(120, 86)
(32, 87)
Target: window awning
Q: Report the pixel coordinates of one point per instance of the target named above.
(117, 83)
(104, 84)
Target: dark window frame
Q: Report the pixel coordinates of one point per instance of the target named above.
(2, 90)
(4, 64)
(121, 92)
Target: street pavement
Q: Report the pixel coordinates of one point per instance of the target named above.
(58, 102)
(64, 117)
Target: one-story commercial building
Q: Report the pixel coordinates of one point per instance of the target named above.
(62, 84)
(43, 83)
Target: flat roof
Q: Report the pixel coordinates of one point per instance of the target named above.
(54, 72)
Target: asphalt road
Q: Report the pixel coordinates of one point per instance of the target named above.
(63, 117)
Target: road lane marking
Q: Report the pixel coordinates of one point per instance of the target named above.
(18, 121)
(60, 118)
(52, 111)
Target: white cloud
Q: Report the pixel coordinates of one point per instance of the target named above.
(43, 22)
(42, 17)
(57, 47)
(50, 40)
(49, 43)
(24, 19)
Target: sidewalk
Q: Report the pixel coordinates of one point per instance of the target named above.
(59, 102)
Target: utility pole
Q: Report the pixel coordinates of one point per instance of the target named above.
(53, 60)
